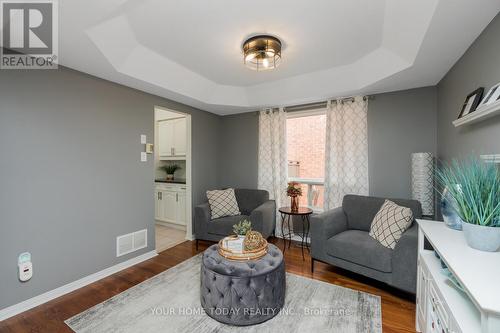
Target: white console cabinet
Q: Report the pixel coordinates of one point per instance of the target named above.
(441, 307)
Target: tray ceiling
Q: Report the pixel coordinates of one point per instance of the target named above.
(190, 50)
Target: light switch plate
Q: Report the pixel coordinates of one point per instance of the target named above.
(149, 148)
(144, 139)
(144, 156)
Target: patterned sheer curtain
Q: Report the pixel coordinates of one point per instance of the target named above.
(346, 154)
(273, 165)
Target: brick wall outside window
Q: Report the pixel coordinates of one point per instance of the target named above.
(306, 145)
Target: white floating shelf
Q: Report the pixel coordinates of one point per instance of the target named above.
(492, 158)
(481, 113)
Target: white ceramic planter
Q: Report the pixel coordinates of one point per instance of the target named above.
(482, 238)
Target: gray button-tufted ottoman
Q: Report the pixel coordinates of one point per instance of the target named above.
(242, 293)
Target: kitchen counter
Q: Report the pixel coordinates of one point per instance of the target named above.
(175, 181)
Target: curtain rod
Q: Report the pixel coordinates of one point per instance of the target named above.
(317, 105)
(322, 104)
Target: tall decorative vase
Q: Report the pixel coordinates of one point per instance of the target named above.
(294, 204)
(422, 181)
(449, 211)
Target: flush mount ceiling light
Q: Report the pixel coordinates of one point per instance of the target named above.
(262, 52)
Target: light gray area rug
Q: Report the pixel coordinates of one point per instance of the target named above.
(170, 302)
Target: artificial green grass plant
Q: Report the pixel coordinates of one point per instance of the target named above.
(475, 186)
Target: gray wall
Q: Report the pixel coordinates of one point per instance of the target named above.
(70, 175)
(238, 153)
(399, 123)
(478, 67)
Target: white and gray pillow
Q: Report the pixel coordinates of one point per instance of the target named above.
(223, 203)
(389, 223)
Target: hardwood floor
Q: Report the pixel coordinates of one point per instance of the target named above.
(398, 309)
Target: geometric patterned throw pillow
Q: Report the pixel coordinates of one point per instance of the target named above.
(223, 203)
(390, 223)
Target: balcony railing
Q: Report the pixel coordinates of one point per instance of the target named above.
(314, 192)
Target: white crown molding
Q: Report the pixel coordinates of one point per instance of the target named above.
(67, 288)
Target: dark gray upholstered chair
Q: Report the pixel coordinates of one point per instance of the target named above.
(254, 205)
(340, 237)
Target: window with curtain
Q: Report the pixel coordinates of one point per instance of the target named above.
(325, 150)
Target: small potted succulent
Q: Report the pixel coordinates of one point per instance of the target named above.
(242, 227)
(170, 169)
(294, 191)
(475, 188)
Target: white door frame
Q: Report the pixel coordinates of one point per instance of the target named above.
(189, 175)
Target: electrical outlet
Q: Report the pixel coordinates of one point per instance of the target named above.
(25, 267)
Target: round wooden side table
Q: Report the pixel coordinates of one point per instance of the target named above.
(286, 217)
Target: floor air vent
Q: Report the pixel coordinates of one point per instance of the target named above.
(131, 242)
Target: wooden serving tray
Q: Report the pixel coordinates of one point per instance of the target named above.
(245, 255)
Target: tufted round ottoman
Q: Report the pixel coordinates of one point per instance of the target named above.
(242, 293)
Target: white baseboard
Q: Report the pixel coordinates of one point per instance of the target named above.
(67, 288)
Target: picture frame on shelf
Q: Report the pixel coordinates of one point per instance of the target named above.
(492, 96)
(471, 102)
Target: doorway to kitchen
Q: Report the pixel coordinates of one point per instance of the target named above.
(172, 179)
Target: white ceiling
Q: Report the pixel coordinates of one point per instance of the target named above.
(190, 50)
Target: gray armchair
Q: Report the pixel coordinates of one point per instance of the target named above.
(254, 206)
(340, 237)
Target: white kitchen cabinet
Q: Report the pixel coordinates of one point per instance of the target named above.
(172, 137)
(158, 204)
(169, 206)
(165, 138)
(170, 203)
(181, 203)
(180, 136)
